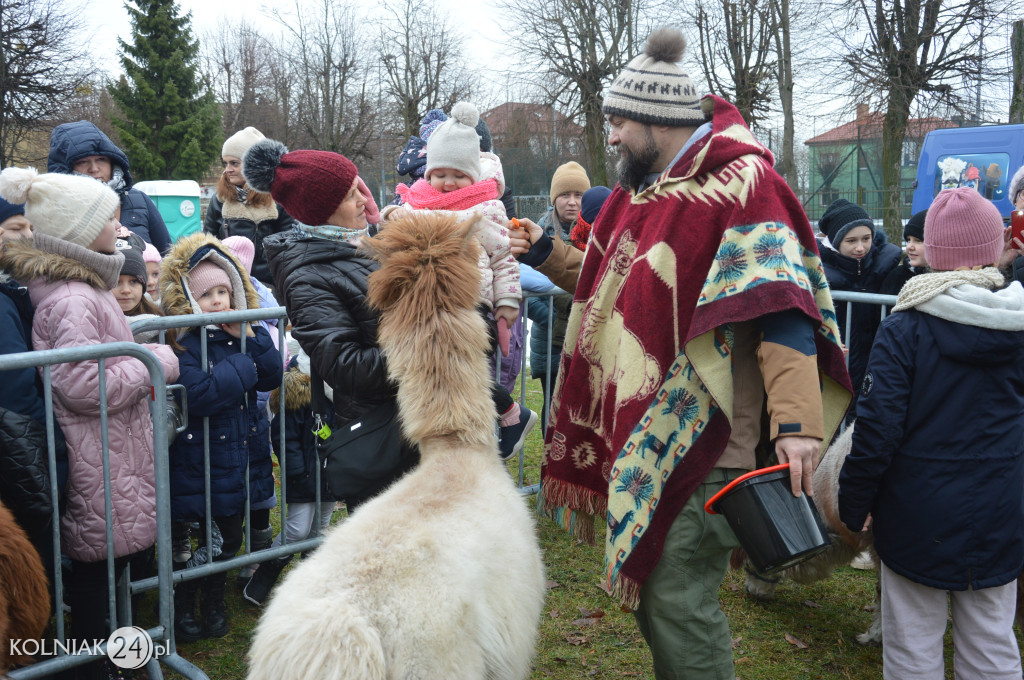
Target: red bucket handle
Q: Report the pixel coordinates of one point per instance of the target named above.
(709, 506)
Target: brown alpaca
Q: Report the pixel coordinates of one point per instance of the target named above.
(24, 597)
(440, 576)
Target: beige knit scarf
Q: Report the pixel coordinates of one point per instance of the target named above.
(924, 287)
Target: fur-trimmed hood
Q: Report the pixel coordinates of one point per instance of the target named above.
(175, 297)
(24, 262)
(297, 390)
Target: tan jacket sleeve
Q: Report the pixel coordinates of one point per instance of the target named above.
(792, 384)
(563, 265)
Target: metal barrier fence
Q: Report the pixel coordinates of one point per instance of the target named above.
(120, 611)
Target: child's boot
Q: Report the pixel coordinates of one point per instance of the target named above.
(186, 626)
(261, 540)
(211, 606)
(259, 586)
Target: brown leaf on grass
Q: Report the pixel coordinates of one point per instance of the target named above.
(577, 639)
(625, 609)
(585, 622)
(551, 585)
(736, 642)
(811, 604)
(554, 614)
(796, 642)
(590, 613)
(742, 659)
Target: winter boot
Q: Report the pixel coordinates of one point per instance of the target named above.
(186, 626)
(261, 539)
(259, 586)
(211, 606)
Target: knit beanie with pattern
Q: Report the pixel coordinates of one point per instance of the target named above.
(69, 207)
(132, 247)
(652, 89)
(205, 276)
(455, 143)
(842, 216)
(310, 185)
(243, 249)
(568, 177)
(962, 229)
(237, 144)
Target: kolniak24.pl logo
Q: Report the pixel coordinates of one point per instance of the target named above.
(127, 647)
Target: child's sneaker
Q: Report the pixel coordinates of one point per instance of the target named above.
(512, 437)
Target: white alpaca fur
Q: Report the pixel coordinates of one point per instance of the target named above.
(438, 578)
(845, 544)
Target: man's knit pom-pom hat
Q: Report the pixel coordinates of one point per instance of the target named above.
(455, 143)
(652, 89)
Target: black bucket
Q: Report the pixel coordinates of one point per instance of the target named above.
(775, 528)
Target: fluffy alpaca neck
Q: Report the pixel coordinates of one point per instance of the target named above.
(444, 385)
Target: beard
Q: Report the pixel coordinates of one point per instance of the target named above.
(634, 166)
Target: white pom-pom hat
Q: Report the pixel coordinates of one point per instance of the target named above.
(69, 207)
(455, 143)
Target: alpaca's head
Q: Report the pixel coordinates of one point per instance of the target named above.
(434, 339)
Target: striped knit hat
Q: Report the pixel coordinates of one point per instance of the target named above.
(652, 89)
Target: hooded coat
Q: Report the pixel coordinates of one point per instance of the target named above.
(938, 449)
(223, 390)
(73, 307)
(72, 142)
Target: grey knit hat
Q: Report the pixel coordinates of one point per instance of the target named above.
(455, 143)
(1016, 185)
(652, 89)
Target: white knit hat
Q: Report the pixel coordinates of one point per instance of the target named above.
(69, 207)
(237, 144)
(455, 143)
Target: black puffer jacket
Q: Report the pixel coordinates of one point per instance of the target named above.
(863, 276)
(323, 284)
(220, 226)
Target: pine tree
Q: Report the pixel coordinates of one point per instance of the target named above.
(168, 120)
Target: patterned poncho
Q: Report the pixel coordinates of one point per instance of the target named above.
(644, 402)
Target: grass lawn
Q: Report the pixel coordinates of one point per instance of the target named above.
(808, 632)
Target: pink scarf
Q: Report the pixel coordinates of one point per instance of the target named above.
(422, 196)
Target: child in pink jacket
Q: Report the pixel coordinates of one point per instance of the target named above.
(70, 268)
(461, 179)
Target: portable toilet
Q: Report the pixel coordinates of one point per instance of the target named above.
(178, 203)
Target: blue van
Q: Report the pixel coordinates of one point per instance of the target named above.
(983, 158)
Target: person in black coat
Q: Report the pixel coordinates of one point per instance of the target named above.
(82, 148)
(937, 458)
(913, 262)
(856, 257)
(322, 277)
(236, 210)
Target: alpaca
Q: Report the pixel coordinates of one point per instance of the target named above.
(24, 595)
(845, 544)
(440, 576)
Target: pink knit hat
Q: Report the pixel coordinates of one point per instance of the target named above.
(962, 229)
(205, 276)
(151, 254)
(243, 249)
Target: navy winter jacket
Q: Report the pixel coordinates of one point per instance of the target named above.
(861, 276)
(938, 452)
(72, 142)
(236, 434)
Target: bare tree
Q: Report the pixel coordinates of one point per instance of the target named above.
(911, 49)
(236, 59)
(332, 107)
(1017, 57)
(41, 68)
(782, 31)
(737, 53)
(573, 48)
(421, 57)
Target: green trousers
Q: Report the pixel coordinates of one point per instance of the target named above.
(679, 613)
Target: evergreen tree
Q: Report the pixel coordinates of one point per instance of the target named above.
(168, 122)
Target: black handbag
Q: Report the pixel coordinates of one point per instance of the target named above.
(360, 457)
